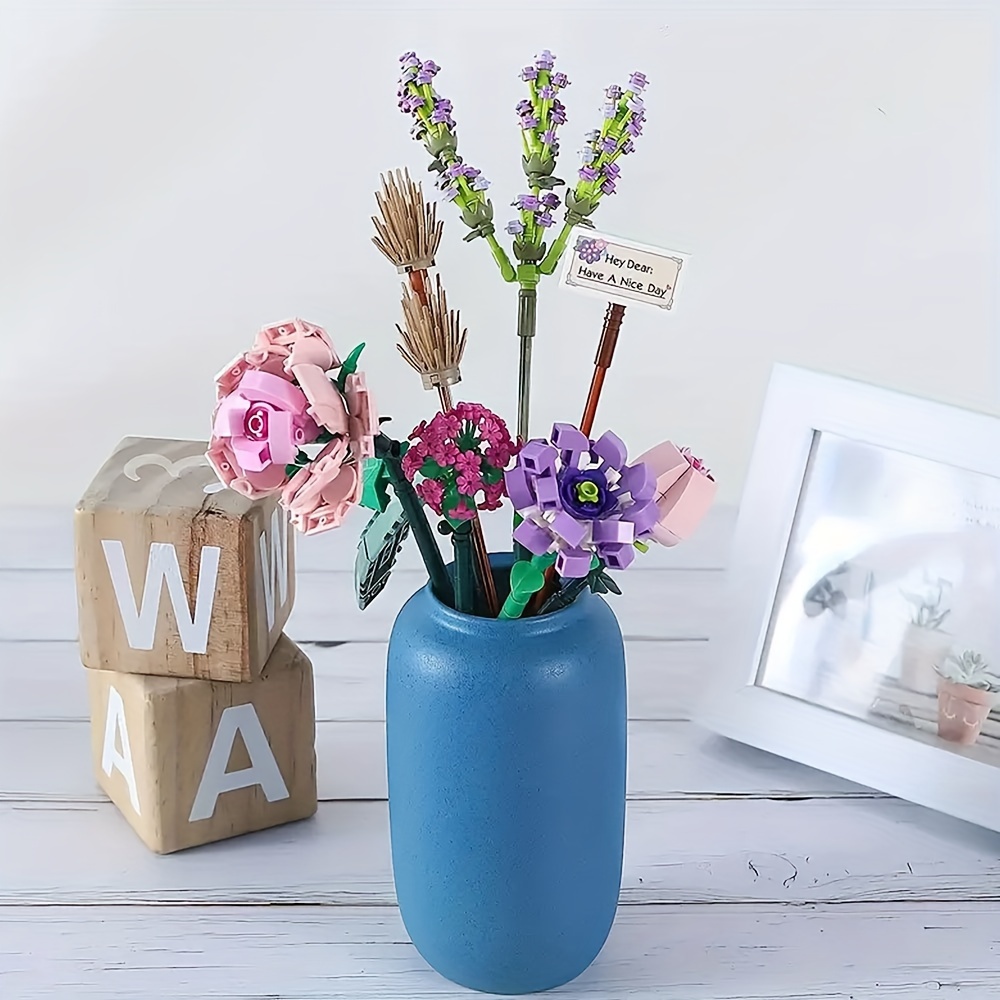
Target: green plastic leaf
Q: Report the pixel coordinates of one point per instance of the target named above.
(375, 480)
(350, 366)
(378, 547)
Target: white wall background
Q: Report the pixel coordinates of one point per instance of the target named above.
(176, 174)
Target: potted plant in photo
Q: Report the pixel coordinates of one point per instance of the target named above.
(967, 692)
(925, 643)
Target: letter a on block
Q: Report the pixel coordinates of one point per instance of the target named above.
(140, 622)
(263, 768)
(274, 568)
(111, 758)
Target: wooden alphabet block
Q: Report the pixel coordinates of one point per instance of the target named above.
(156, 519)
(189, 762)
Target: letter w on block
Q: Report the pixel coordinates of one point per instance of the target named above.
(274, 567)
(140, 622)
(263, 768)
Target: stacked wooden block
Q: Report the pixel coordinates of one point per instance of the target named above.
(202, 710)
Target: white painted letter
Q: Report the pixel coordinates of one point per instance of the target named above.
(114, 725)
(274, 567)
(140, 623)
(263, 768)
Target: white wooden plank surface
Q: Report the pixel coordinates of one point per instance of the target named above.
(701, 851)
(746, 876)
(926, 951)
(42, 538)
(658, 604)
(44, 761)
(44, 680)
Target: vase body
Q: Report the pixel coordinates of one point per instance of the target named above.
(962, 710)
(506, 752)
(921, 651)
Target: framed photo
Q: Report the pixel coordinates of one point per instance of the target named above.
(861, 630)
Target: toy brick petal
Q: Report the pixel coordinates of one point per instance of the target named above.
(263, 387)
(519, 488)
(612, 530)
(538, 457)
(618, 556)
(573, 563)
(281, 437)
(326, 404)
(683, 506)
(533, 537)
(229, 416)
(569, 529)
(644, 514)
(570, 441)
(312, 348)
(639, 481)
(547, 493)
(610, 448)
(666, 463)
(251, 456)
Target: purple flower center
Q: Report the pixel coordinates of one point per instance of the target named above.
(585, 494)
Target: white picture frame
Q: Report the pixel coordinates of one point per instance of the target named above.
(892, 452)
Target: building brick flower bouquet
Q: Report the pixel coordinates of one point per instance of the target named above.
(505, 693)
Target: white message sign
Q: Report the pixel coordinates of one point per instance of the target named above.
(621, 270)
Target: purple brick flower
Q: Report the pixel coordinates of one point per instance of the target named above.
(543, 219)
(559, 80)
(608, 186)
(613, 93)
(524, 107)
(515, 228)
(611, 170)
(609, 144)
(428, 71)
(549, 137)
(546, 60)
(550, 200)
(610, 110)
(588, 174)
(526, 203)
(637, 81)
(547, 93)
(528, 122)
(580, 498)
(529, 73)
(557, 114)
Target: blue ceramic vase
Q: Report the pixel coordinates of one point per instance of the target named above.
(506, 767)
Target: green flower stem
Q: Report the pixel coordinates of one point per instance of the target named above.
(390, 452)
(527, 301)
(507, 271)
(551, 261)
(465, 573)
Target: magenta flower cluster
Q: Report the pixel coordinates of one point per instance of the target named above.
(460, 456)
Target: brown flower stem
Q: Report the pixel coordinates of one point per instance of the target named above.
(602, 362)
(484, 573)
(418, 284)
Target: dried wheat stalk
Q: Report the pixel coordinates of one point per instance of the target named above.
(408, 231)
(433, 340)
